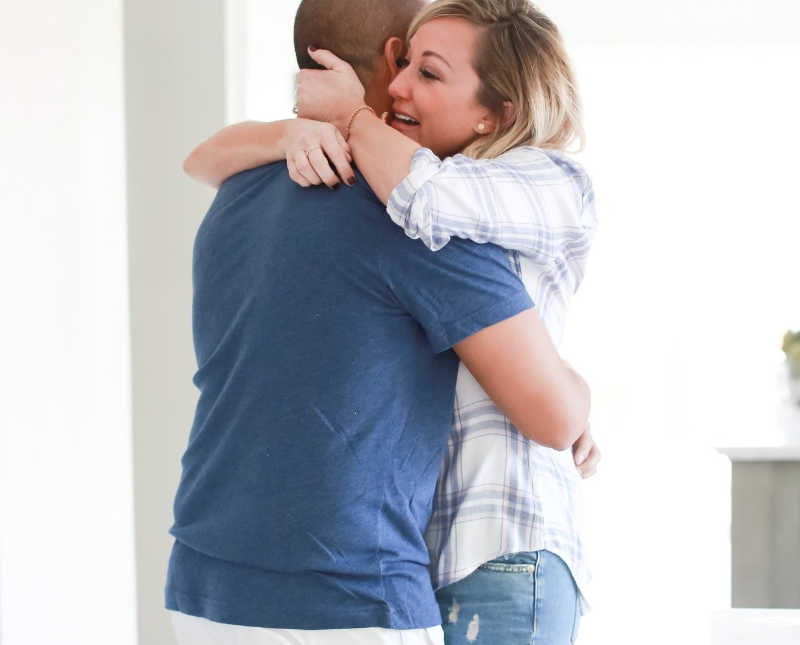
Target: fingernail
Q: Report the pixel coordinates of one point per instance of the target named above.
(351, 181)
(580, 459)
(312, 48)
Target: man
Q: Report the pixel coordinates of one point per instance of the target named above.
(323, 337)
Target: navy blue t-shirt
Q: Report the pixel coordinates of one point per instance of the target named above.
(322, 336)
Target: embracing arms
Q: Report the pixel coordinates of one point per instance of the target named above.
(310, 148)
(234, 149)
(306, 145)
(527, 200)
(517, 365)
(519, 368)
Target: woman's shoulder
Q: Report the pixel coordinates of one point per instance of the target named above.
(523, 158)
(532, 155)
(527, 166)
(551, 166)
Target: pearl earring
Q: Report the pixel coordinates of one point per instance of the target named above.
(481, 127)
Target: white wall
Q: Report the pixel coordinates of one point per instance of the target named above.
(66, 494)
(267, 65)
(95, 269)
(679, 21)
(692, 143)
(174, 65)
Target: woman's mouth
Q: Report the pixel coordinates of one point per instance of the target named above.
(404, 118)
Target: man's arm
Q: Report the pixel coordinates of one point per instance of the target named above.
(518, 366)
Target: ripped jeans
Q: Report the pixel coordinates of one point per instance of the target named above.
(517, 599)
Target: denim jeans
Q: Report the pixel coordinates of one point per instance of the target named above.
(517, 599)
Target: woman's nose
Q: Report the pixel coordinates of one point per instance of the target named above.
(398, 87)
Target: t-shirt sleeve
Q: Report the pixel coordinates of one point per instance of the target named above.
(457, 291)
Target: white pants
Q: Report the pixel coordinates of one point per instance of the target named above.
(191, 630)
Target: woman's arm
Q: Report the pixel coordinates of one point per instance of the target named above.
(306, 145)
(382, 154)
(233, 149)
(516, 363)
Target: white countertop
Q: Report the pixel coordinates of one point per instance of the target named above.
(778, 441)
(756, 627)
(761, 453)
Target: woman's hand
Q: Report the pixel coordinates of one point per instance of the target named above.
(586, 454)
(308, 146)
(331, 94)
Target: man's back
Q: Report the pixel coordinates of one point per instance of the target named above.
(325, 405)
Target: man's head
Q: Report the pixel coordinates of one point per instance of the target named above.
(368, 34)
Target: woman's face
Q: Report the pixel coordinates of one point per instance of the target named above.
(434, 96)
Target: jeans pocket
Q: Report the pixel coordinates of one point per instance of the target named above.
(493, 605)
(522, 562)
(504, 567)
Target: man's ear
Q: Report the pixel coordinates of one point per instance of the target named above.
(393, 49)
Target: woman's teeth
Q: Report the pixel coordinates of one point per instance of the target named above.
(406, 119)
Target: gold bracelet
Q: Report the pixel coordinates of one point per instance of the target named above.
(353, 115)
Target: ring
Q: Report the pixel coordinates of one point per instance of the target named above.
(295, 110)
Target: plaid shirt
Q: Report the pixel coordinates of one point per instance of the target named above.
(499, 492)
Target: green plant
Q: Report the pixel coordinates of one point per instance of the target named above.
(791, 347)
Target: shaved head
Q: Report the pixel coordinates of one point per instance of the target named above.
(354, 30)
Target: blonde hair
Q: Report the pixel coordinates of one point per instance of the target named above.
(520, 59)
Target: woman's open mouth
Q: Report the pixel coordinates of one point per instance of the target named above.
(404, 118)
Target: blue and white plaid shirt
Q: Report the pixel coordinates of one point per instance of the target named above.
(499, 492)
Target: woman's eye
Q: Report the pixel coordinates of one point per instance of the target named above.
(402, 62)
(428, 74)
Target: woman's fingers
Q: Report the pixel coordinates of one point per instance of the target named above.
(586, 454)
(305, 169)
(322, 168)
(329, 60)
(340, 138)
(294, 175)
(337, 150)
(315, 150)
(589, 465)
(582, 446)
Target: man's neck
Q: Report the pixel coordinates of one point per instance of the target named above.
(376, 94)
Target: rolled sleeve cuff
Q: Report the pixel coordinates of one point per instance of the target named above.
(410, 213)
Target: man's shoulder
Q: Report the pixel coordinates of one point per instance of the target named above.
(247, 179)
(457, 252)
(272, 182)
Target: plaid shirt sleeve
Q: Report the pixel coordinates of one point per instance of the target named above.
(527, 200)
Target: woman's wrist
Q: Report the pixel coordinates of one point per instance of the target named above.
(286, 128)
(354, 115)
(343, 116)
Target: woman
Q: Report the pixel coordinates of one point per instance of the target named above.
(506, 553)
